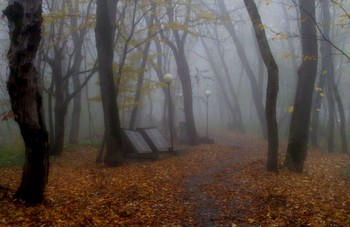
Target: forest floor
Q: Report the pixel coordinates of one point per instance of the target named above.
(221, 184)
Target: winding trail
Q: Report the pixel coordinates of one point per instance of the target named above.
(206, 210)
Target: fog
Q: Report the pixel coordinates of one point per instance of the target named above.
(205, 30)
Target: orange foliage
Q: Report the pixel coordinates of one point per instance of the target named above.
(219, 184)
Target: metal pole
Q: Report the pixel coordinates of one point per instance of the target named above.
(170, 121)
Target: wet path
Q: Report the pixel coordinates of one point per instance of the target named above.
(206, 210)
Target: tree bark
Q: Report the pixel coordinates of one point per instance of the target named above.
(332, 94)
(78, 40)
(272, 86)
(183, 71)
(344, 143)
(60, 109)
(25, 19)
(62, 73)
(300, 123)
(185, 78)
(159, 67)
(104, 33)
(75, 122)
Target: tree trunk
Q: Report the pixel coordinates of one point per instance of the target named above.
(104, 33)
(300, 123)
(159, 67)
(243, 57)
(332, 94)
(234, 94)
(235, 111)
(135, 109)
(25, 18)
(59, 131)
(184, 74)
(178, 48)
(272, 86)
(50, 113)
(75, 122)
(344, 143)
(328, 72)
(60, 109)
(137, 100)
(331, 105)
(317, 103)
(78, 40)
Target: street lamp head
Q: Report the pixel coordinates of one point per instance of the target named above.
(168, 78)
(207, 93)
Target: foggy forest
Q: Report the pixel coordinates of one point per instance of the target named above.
(174, 113)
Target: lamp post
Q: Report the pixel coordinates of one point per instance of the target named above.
(168, 78)
(207, 94)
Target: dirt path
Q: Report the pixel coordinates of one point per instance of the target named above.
(206, 210)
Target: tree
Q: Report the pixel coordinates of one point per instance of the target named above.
(24, 20)
(333, 93)
(300, 122)
(257, 98)
(237, 109)
(104, 33)
(65, 63)
(77, 56)
(272, 85)
(234, 107)
(327, 85)
(177, 45)
(145, 53)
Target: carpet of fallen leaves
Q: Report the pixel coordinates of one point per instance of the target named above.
(221, 184)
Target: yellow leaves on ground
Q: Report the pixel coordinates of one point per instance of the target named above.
(232, 179)
(320, 196)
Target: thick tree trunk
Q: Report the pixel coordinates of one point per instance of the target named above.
(25, 33)
(300, 123)
(59, 131)
(60, 108)
(185, 78)
(104, 33)
(183, 70)
(272, 86)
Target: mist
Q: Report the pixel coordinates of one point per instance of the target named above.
(280, 22)
(276, 77)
